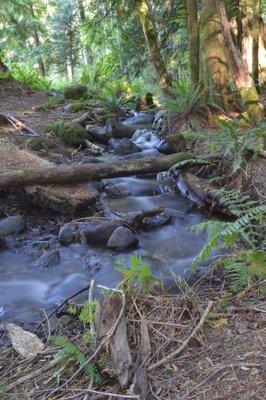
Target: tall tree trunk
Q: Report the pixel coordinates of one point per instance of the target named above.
(255, 43)
(70, 59)
(193, 39)
(215, 76)
(152, 43)
(37, 43)
(242, 79)
(246, 45)
(82, 16)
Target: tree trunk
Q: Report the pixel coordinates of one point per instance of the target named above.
(88, 172)
(37, 43)
(193, 39)
(255, 43)
(242, 79)
(152, 43)
(215, 75)
(246, 45)
(70, 60)
(82, 16)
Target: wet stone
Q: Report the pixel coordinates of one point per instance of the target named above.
(68, 233)
(115, 191)
(91, 262)
(155, 221)
(122, 238)
(98, 233)
(47, 259)
(126, 146)
(11, 225)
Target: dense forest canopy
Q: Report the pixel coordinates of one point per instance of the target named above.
(219, 45)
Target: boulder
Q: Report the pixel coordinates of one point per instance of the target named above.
(120, 131)
(122, 238)
(116, 191)
(126, 146)
(69, 233)
(172, 144)
(76, 92)
(11, 225)
(97, 133)
(98, 233)
(155, 221)
(47, 259)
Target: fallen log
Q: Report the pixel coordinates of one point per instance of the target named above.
(77, 173)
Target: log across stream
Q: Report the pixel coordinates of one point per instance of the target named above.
(25, 288)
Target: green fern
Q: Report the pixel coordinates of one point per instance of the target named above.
(234, 141)
(139, 272)
(245, 236)
(188, 163)
(69, 352)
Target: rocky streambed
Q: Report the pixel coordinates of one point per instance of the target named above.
(43, 263)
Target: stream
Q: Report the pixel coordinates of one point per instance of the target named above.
(25, 288)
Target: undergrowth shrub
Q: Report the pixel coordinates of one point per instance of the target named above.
(244, 237)
(138, 273)
(30, 77)
(70, 352)
(235, 141)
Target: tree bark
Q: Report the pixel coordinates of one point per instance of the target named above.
(242, 79)
(37, 43)
(215, 77)
(82, 16)
(88, 172)
(193, 39)
(152, 43)
(255, 42)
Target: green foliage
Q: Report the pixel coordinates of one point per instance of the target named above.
(245, 236)
(69, 352)
(185, 98)
(190, 162)
(86, 313)
(234, 141)
(30, 77)
(51, 103)
(70, 133)
(138, 273)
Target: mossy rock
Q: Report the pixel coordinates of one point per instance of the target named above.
(76, 92)
(35, 144)
(79, 105)
(69, 132)
(172, 144)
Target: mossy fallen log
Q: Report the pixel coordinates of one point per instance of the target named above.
(77, 173)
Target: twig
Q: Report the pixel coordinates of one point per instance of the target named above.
(103, 342)
(185, 343)
(32, 374)
(119, 396)
(61, 305)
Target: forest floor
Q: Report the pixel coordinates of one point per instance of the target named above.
(224, 360)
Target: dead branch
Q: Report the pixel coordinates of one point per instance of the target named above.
(186, 342)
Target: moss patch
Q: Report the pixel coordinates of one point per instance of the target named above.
(69, 132)
(76, 92)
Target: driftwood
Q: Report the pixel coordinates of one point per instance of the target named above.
(77, 173)
(107, 313)
(18, 125)
(201, 192)
(93, 148)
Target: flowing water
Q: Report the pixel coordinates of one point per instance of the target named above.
(25, 289)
